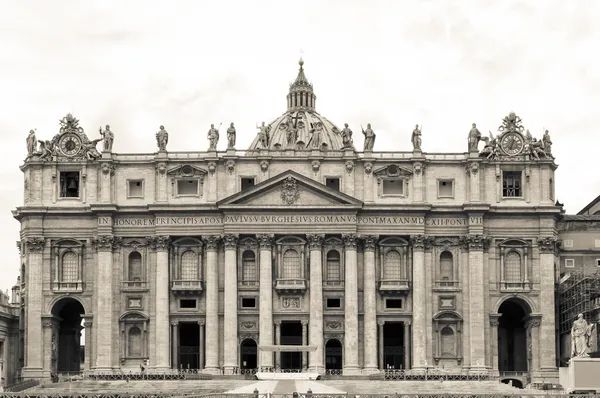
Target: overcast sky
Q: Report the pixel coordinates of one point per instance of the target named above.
(186, 64)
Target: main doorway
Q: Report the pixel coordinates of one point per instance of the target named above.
(248, 354)
(393, 345)
(333, 355)
(189, 345)
(512, 336)
(291, 334)
(67, 354)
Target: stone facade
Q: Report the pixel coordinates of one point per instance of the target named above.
(9, 339)
(362, 261)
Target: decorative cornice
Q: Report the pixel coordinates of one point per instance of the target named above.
(35, 244)
(103, 243)
(265, 241)
(421, 242)
(230, 241)
(548, 244)
(475, 242)
(211, 242)
(315, 241)
(369, 242)
(350, 241)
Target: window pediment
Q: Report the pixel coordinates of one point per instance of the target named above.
(134, 243)
(68, 243)
(445, 243)
(448, 316)
(187, 171)
(512, 242)
(291, 241)
(393, 171)
(248, 244)
(393, 242)
(188, 242)
(133, 316)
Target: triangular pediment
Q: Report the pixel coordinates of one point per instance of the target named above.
(393, 170)
(290, 189)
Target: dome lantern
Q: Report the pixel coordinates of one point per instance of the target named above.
(301, 95)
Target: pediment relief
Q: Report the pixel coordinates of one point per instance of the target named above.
(290, 189)
(134, 243)
(447, 316)
(446, 243)
(186, 171)
(512, 242)
(133, 317)
(67, 242)
(393, 171)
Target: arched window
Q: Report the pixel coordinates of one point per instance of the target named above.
(512, 267)
(447, 342)
(69, 267)
(135, 266)
(291, 264)
(446, 266)
(189, 266)
(134, 342)
(392, 265)
(333, 266)
(249, 266)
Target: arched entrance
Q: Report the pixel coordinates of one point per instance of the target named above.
(248, 354)
(512, 336)
(66, 340)
(333, 354)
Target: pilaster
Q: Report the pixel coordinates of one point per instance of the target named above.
(532, 328)
(105, 319)
(304, 343)
(33, 307)
(494, 322)
(265, 242)
(212, 304)
(351, 366)
(161, 332)
(315, 242)
(476, 244)
(419, 296)
(230, 324)
(370, 304)
(548, 247)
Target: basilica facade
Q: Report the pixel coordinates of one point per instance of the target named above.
(301, 253)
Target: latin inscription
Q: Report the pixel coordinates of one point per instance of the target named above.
(289, 219)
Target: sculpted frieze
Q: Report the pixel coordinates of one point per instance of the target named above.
(158, 242)
(230, 241)
(106, 242)
(369, 242)
(315, 241)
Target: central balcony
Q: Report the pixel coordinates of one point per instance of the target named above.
(186, 287)
(290, 286)
(394, 286)
(68, 287)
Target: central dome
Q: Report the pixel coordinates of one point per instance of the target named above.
(300, 127)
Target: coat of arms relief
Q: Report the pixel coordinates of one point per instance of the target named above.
(290, 191)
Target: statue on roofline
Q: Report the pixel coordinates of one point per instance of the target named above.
(416, 138)
(369, 137)
(108, 138)
(162, 138)
(231, 136)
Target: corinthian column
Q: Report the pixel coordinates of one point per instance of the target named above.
(162, 325)
(351, 307)
(477, 315)
(104, 245)
(33, 276)
(547, 346)
(419, 297)
(370, 305)
(230, 303)
(212, 305)
(265, 308)
(315, 320)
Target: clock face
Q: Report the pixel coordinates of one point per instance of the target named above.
(70, 145)
(512, 144)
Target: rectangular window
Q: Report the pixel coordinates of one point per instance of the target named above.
(187, 187)
(551, 189)
(393, 304)
(569, 263)
(393, 187)
(511, 184)
(333, 183)
(69, 184)
(135, 189)
(187, 304)
(247, 182)
(248, 302)
(334, 303)
(598, 262)
(445, 188)
(569, 243)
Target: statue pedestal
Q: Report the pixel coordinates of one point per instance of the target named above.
(106, 155)
(581, 374)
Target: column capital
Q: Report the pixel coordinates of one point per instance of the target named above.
(265, 241)
(106, 243)
(174, 323)
(35, 243)
(494, 320)
(230, 241)
(315, 241)
(475, 242)
(211, 242)
(350, 241)
(421, 242)
(369, 242)
(277, 322)
(381, 322)
(548, 244)
(533, 321)
(304, 322)
(201, 323)
(159, 243)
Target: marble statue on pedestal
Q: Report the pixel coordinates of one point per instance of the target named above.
(369, 138)
(231, 136)
(213, 137)
(31, 143)
(474, 138)
(416, 138)
(162, 138)
(108, 138)
(347, 141)
(581, 332)
(263, 135)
